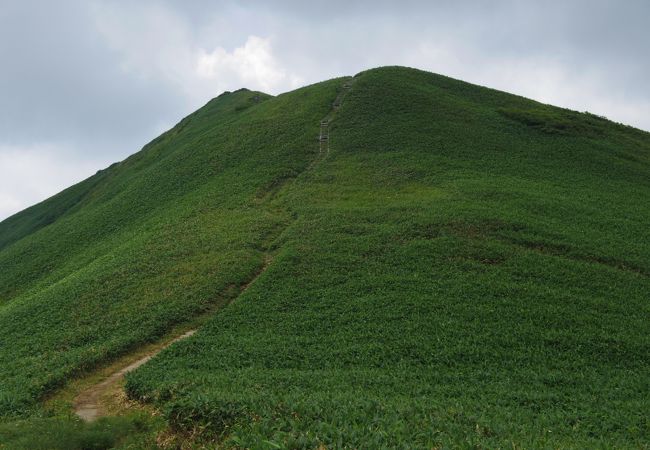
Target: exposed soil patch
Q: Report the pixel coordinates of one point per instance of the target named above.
(88, 405)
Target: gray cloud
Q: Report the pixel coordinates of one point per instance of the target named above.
(84, 83)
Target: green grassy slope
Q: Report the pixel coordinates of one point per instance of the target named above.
(456, 276)
(170, 232)
(38, 216)
(466, 267)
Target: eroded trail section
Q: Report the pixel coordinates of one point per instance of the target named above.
(324, 136)
(88, 404)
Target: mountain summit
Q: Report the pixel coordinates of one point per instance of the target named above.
(392, 259)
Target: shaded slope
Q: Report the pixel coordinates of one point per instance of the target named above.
(455, 276)
(47, 212)
(43, 214)
(172, 231)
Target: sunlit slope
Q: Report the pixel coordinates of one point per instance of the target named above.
(466, 267)
(149, 242)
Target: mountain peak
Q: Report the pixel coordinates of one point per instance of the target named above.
(395, 257)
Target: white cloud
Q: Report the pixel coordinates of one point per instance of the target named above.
(155, 43)
(151, 40)
(252, 64)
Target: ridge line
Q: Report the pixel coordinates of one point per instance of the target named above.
(88, 403)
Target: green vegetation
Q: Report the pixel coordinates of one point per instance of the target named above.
(65, 434)
(170, 232)
(465, 268)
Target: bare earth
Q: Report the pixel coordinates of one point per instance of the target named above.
(87, 405)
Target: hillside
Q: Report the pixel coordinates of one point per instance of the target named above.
(459, 267)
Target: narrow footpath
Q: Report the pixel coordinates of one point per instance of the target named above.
(88, 404)
(324, 136)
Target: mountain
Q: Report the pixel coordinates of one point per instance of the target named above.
(453, 266)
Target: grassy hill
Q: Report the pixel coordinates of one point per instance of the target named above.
(463, 268)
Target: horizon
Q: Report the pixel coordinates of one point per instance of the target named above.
(88, 84)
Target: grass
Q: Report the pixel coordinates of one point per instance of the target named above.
(65, 434)
(172, 231)
(466, 268)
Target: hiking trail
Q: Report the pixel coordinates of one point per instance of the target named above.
(89, 404)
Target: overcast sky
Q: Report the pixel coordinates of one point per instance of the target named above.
(86, 83)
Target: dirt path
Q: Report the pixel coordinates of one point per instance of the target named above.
(88, 404)
(324, 136)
